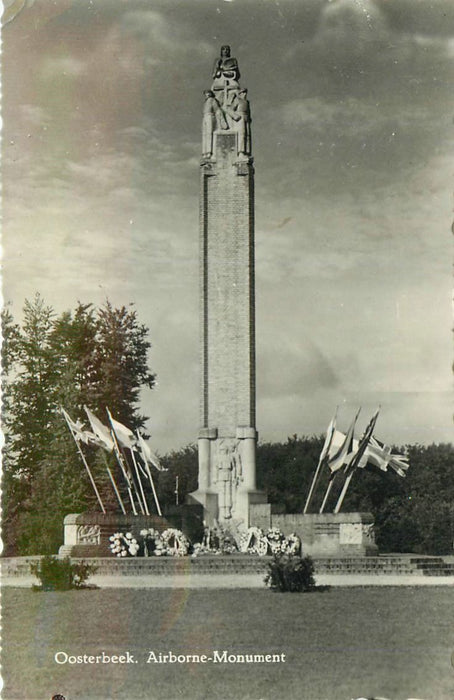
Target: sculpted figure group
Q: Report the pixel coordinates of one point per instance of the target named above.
(226, 106)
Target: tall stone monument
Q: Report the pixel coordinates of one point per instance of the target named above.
(228, 436)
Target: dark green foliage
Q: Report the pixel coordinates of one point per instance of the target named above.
(290, 573)
(414, 514)
(93, 357)
(61, 574)
(285, 470)
(183, 463)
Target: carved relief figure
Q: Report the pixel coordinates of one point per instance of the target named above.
(229, 474)
(213, 118)
(241, 115)
(88, 534)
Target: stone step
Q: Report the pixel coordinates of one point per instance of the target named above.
(244, 564)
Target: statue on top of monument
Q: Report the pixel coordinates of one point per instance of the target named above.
(226, 107)
(226, 75)
(226, 66)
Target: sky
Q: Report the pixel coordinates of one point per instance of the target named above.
(352, 127)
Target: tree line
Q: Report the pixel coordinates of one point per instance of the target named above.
(90, 356)
(100, 357)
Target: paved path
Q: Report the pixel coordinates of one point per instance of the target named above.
(242, 580)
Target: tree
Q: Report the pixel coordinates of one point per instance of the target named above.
(94, 357)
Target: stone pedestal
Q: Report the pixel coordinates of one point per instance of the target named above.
(323, 534)
(87, 534)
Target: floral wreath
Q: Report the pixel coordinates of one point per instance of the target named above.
(175, 542)
(293, 544)
(254, 542)
(276, 540)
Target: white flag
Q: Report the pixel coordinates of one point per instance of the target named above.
(78, 430)
(100, 430)
(148, 455)
(340, 455)
(124, 435)
(328, 440)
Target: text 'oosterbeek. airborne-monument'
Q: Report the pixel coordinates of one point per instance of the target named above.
(228, 436)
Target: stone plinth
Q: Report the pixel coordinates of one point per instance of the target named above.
(87, 534)
(323, 534)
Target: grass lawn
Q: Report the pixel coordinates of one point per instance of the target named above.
(339, 644)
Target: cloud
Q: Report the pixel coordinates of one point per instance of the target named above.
(33, 115)
(57, 66)
(162, 36)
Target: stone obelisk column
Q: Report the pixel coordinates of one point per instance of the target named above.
(228, 436)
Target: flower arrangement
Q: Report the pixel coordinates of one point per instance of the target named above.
(217, 540)
(276, 540)
(124, 545)
(293, 544)
(228, 543)
(150, 542)
(254, 541)
(175, 542)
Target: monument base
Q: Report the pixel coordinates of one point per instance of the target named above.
(245, 500)
(323, 534)
(87, 534)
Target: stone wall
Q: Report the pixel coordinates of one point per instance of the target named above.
(87, 534)
(322, 534)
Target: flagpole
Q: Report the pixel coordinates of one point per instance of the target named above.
(311, 490)
(117, 493)
(147, 467)
(323, 454)
(362, 445)
(85, 463)
(325, 498)
(128, 479)
(115, 487)
(344, 491)
(155, 495)
(140, 482)
(125, 475)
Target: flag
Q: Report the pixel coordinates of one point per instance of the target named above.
(376, 453)
(363, 443)
(328, 440)
(77, 429)
(382, 456)
(100, 430)
(148, 455)
(123, 434)
(342, 449)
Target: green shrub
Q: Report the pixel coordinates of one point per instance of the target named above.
(290, 573)
(61, 574)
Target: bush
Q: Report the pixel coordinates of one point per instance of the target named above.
(61, 574)
(290, 573)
